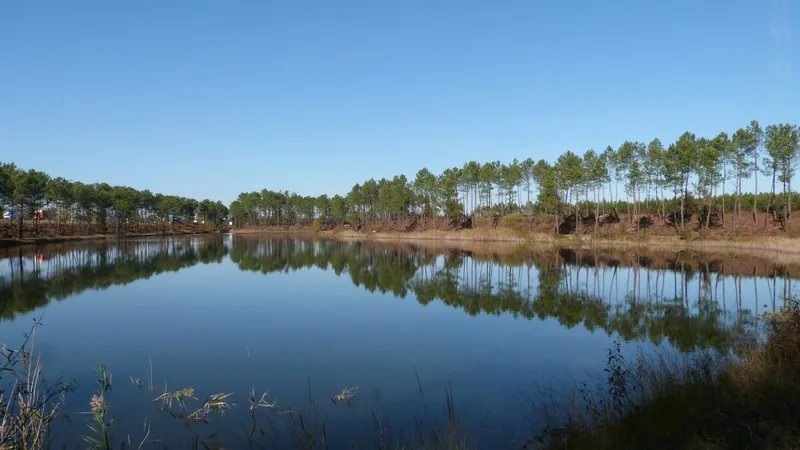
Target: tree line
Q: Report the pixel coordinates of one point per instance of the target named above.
(98, 207)
(693, 176)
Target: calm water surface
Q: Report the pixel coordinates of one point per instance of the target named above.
(304, 319)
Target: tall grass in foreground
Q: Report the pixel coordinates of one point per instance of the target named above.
(28, 404)
(705, 400)
(30, 408)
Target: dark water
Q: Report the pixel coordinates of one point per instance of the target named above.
(305, 319)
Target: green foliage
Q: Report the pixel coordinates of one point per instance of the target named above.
(744, 148)
(338, 208)
(448, 192)
(654, 162)
(212, 213)
(629, 159)
(707, 166)
(30, 188)
(649, 175)
(425, 188)
(487, 179)
(452, 209)
(516, 222)
(7, 173)
(681, 160)
(783, 147)
(510, 177)
(549, 199)
(96, 206)
(570, 176)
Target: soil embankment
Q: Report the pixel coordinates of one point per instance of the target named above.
(743, 234)
(743, 225)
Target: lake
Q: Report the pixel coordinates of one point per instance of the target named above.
(410, 325)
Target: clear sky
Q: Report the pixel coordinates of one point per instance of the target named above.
(211, 98)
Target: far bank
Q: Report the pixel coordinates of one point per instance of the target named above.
(761, 235)
(42, 240)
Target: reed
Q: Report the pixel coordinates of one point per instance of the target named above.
(744, 399)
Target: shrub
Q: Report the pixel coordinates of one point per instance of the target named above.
(516, 222)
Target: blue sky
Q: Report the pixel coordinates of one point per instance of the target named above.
(211, 98)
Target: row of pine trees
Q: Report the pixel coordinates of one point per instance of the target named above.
(692, 176)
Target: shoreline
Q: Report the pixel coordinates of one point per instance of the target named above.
(504, 236)
(44, 240)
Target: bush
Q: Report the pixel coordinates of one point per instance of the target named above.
(516, 222)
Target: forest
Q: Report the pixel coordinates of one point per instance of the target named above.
(72, 207)
(695, 180)
(694, 176)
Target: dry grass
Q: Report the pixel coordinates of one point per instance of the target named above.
(667, 401)
(778, 248)
(474, 235)
(29, 408)
(276, 231)
(707, 402)
(768, 244)
(28, 405)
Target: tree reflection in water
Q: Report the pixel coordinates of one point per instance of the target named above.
(682, 300)
(688, 300)
(30, 277)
